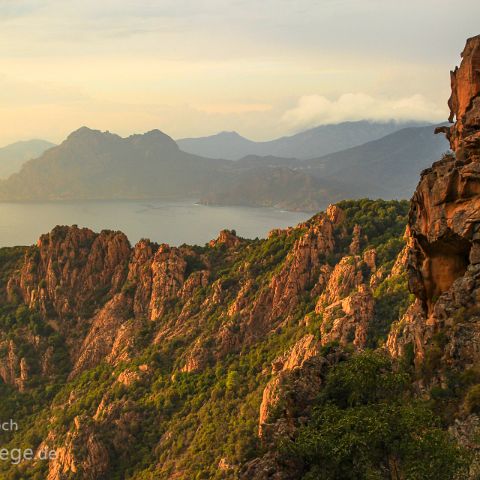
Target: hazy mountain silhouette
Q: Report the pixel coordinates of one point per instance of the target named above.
(387, 168)
(311, 143)
(13, 156)
(91, 164)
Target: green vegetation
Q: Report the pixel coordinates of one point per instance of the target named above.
(366, 425)
(392, 299)
(9, 260)
(382, 221)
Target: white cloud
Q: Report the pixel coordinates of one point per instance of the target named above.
(318, 110)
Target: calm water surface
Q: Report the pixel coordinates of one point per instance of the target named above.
(163, 222)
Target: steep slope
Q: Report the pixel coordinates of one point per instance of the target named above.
(272, 186)
(151, 361)
(13, 156)
(93, 165)
(311, 143)
(433, 350)
(386, 168)
(444, 257)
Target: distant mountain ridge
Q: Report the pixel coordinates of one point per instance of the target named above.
(13, 156)
(94, 165)
(312, 143)
(387, 168)
(91, 164)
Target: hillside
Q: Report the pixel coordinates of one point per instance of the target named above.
(308, 144)
(386, 168)
(91, 164)
(152, 361)
(13, 156)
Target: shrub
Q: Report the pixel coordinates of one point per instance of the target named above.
(367, 425)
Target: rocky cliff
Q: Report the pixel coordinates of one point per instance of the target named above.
(86, 312)
(444, 237)
(439, 334)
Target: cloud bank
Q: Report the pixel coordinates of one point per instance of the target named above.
(312, 110)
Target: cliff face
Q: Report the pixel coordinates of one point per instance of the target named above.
(71, 270)
(198, 362)
(444, 236)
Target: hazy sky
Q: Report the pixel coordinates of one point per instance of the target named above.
(195, 67)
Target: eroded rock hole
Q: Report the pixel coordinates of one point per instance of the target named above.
(445, 260)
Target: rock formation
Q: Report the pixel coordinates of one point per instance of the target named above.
(444, 236)
(117, 339)
(71, 269)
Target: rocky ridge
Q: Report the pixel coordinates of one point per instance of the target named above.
(100, 302)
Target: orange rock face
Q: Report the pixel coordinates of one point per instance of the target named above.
(444, 234)
(296, 360)
(228, 238)
(445, 208)
(464, 102)
(72, 269)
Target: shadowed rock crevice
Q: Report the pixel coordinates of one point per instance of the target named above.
(441, 263)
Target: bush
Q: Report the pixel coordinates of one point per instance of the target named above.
(367, 425)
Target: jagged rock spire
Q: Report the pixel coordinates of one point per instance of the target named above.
(464, 103)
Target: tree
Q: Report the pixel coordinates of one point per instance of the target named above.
(366, 425)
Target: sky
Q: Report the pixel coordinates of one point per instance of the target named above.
(196, 67)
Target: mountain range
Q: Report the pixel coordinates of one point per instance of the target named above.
(91, 164)
(13, 156)
(311, 143)
(386, 168)
(95, 165)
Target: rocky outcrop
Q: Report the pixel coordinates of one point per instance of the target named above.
(444, 236)
(153, 318)
(464, 102)
(282, 368)
(347, 303)
(348, 320)
(140, 276)
(300, 272)
(96, 291)
(302, 267)
(168, 275)
(197, 358)
(297, 377)
(72, 269)
(83, 454)
(13, 370)
(101, 336)
(228, 238)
